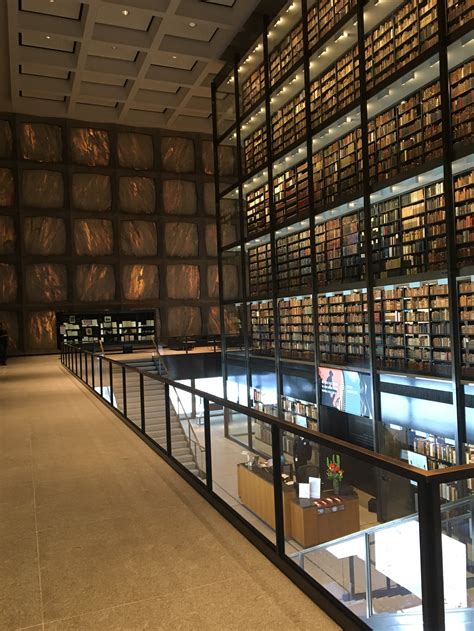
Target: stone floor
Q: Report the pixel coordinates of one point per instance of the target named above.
(98, 533)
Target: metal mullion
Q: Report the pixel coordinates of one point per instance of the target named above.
(369, 272)
(142, 404)
(243, 232)
(124, 390)
(101, 378)
(169, 447)
(271, 201)
(111, 384)
(93, 370)
(86, 356)
(278, 490)
(448, 186)
(312, 222)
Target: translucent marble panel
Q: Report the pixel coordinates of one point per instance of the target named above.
(226, 157)
(140, 282)
(95, 283)
(179, 197)
(6, 140)
(90, 147)
(9, 320)
(40, 142)
(181, 239)
(8, 283)
(183, 282)
(7, 188)
(7, 235)
(209, 198)
(230, 282)
(213, 281)
(41, 331)
(137, 195)
(93, 237)
(46, 282)
(45, 236)
(138, 238)
(213, 321)
(43, 189)
(211, 239)
(177, 155)
(91, 192)
(135, 151)
(184, 321)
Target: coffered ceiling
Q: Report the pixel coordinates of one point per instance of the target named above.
(135, 62)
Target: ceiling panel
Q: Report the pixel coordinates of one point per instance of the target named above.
(137, 62)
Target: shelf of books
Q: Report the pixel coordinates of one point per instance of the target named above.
(109, 329)
(367, 94)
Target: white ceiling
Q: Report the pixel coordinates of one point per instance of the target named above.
(88, 61)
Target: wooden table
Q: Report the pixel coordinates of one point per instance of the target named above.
(310, 527)
(255, 488)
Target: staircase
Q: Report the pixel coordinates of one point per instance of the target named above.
(155, 412)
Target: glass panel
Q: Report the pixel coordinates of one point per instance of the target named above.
(263, 386)
(117, 387)
(106, 380)
(187, 435)
(133, 397)
(252, 78)
(243, 477)
(155, 410)
(229, 217)
(328, 499)
(231, 274)
(225, 104)
(237, 427)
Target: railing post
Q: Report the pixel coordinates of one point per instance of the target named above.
(124, 390)
(277, 491)
(431, 556)
(93, 370)
(142, 402)
(80, 364)
(368, 578)
(168, 419)
(86, 356)
(207, 444)
(111, 382)
(75, 360)
(101, 378)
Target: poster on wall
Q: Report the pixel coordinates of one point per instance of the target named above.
(332, 387)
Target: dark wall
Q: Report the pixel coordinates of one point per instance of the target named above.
(97, 217)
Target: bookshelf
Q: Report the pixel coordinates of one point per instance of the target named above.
(409, 233)
(368, 94)
(296, 328)
(294, 263)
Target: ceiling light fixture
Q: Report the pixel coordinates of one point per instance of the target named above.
(192, 24)
(124, 11)
(174, 57)
(48, 36)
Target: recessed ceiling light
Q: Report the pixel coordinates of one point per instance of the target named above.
(125, 12)
(114, 47)
(48, 36)
(174, 57)
(192, 24)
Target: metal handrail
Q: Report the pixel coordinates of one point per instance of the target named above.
(191, 430)
(454, 473)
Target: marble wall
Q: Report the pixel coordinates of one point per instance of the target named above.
(101, 217)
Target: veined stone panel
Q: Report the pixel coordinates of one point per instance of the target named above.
(43, 189)
(232, 324)
(46, 282)
(213, 322)
(40, 142)
(183, 282)
(7, 188)
(225, 155)
(8, 283)
(91, 192)
(90, 147)
(184, 321)
(95, 283)
(6, 140)
(135, 151)
(181, 239)
(213, 281)
(93, 237)
(45, 236)
(179, 197)
(230, 282)
(9, 320)
(138, 238)
(209, 198)
(7, 235)
(211, 239)
(41, 331)
(137, 195)
(177, 154)
(140, 282)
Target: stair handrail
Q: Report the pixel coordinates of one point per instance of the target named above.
(162, 364)
(194, 439)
